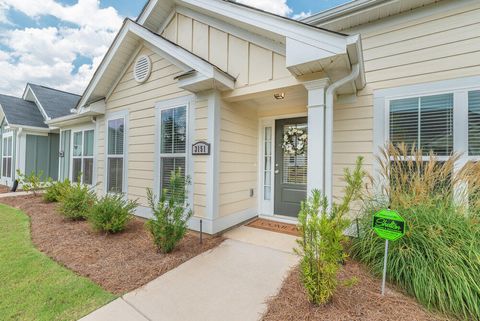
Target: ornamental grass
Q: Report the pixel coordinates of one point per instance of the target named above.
(438, 260)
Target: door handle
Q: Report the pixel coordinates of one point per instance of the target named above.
(277, 171)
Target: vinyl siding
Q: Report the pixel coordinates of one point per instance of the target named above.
(441, 46)
(200, 162)
(139, 100)
(238, 159)
(248, 62)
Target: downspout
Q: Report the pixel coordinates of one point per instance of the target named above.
(328, 174)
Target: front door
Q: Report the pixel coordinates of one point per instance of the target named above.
(290, 167)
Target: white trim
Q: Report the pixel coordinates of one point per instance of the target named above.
(167, 21)
(175, 54)
(124, 114)
(458, 87)
(37, 102)
(185, 101)
(8, 180)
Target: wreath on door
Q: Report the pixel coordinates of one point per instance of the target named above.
(295, 141)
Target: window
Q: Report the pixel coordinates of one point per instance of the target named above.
(267, 171)
(173, 143)
(425, 122)
(474, 123)
(82, 167)
(7, 157)
(115, 155)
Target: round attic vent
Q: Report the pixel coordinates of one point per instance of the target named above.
(142, 69)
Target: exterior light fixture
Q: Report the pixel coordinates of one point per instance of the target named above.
(279, 96)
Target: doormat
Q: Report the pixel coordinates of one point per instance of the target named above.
(273, 226)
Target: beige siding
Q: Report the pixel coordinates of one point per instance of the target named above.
(238, 159)
(200, 162)
(139, 100)
(248, 62)
(438, 47)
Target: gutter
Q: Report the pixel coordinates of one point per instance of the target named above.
(328, 135)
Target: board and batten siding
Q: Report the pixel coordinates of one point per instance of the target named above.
(238, 160)
(249, 63)
(403, 51)
(139, 100)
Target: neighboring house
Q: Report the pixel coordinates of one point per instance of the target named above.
(212, 87)
(27, 143)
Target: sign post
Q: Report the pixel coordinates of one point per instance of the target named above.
(390, 226)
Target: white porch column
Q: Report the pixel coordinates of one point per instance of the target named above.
(316, 134)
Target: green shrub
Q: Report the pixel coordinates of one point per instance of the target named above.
(171, 215)
(77, 201)
(438, 260)
(112, 213)
(322, 238)
(32, 182)
(55, 190)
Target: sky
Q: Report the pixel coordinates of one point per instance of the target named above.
(60, 43)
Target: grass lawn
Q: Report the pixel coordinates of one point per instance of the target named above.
(32, 286)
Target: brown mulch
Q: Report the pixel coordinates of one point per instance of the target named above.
(360, 302)
(119, 263)
(290, 229)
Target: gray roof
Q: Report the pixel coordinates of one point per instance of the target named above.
(56, 103)
(21, 112)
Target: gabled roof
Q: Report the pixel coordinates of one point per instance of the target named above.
(119, 57)
(55, 103)
(21, 112)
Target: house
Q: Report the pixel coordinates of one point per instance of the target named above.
(27, 143)
(227, 93)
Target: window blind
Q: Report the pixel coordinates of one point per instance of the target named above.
(474, 123)
(115, 136)
(88, 144)
(115, 175)
(116, 132)
(426, 122)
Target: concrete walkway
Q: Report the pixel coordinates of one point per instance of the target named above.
(229, 283)
(12, 194)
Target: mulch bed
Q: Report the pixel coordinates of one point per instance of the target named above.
(4, 189)
(360, 302)
(119, 263)
(290, 229)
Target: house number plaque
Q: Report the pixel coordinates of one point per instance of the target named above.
(201, 148)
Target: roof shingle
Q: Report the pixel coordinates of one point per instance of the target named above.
(56, 103)
(21, 112)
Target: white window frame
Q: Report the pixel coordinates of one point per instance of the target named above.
(187, 102)
(82, 157)
(458, 87)
(7, 136)
(117, 115)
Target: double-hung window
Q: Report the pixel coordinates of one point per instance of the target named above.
(82, 167)
(115, 155)
(474, 124)
(173, 143)
(7, 157)
(424, 122)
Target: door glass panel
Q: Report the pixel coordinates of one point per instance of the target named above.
(267, 176)
(295, 165)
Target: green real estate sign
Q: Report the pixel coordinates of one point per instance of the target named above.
(389, 225)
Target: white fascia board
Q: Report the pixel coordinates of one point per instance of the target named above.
(4, 116)
(37, 102)
(104, 64)
(172, 52)
(31, 128)
(341, 11)
(300, 53)
(355, 54)
(328, 41)
(146, 12)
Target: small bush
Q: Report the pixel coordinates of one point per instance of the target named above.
(76, 202)
(32, 182)
(322, 238)
(55, 190)
(112, 213)
(438, 260)
(171, 215)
